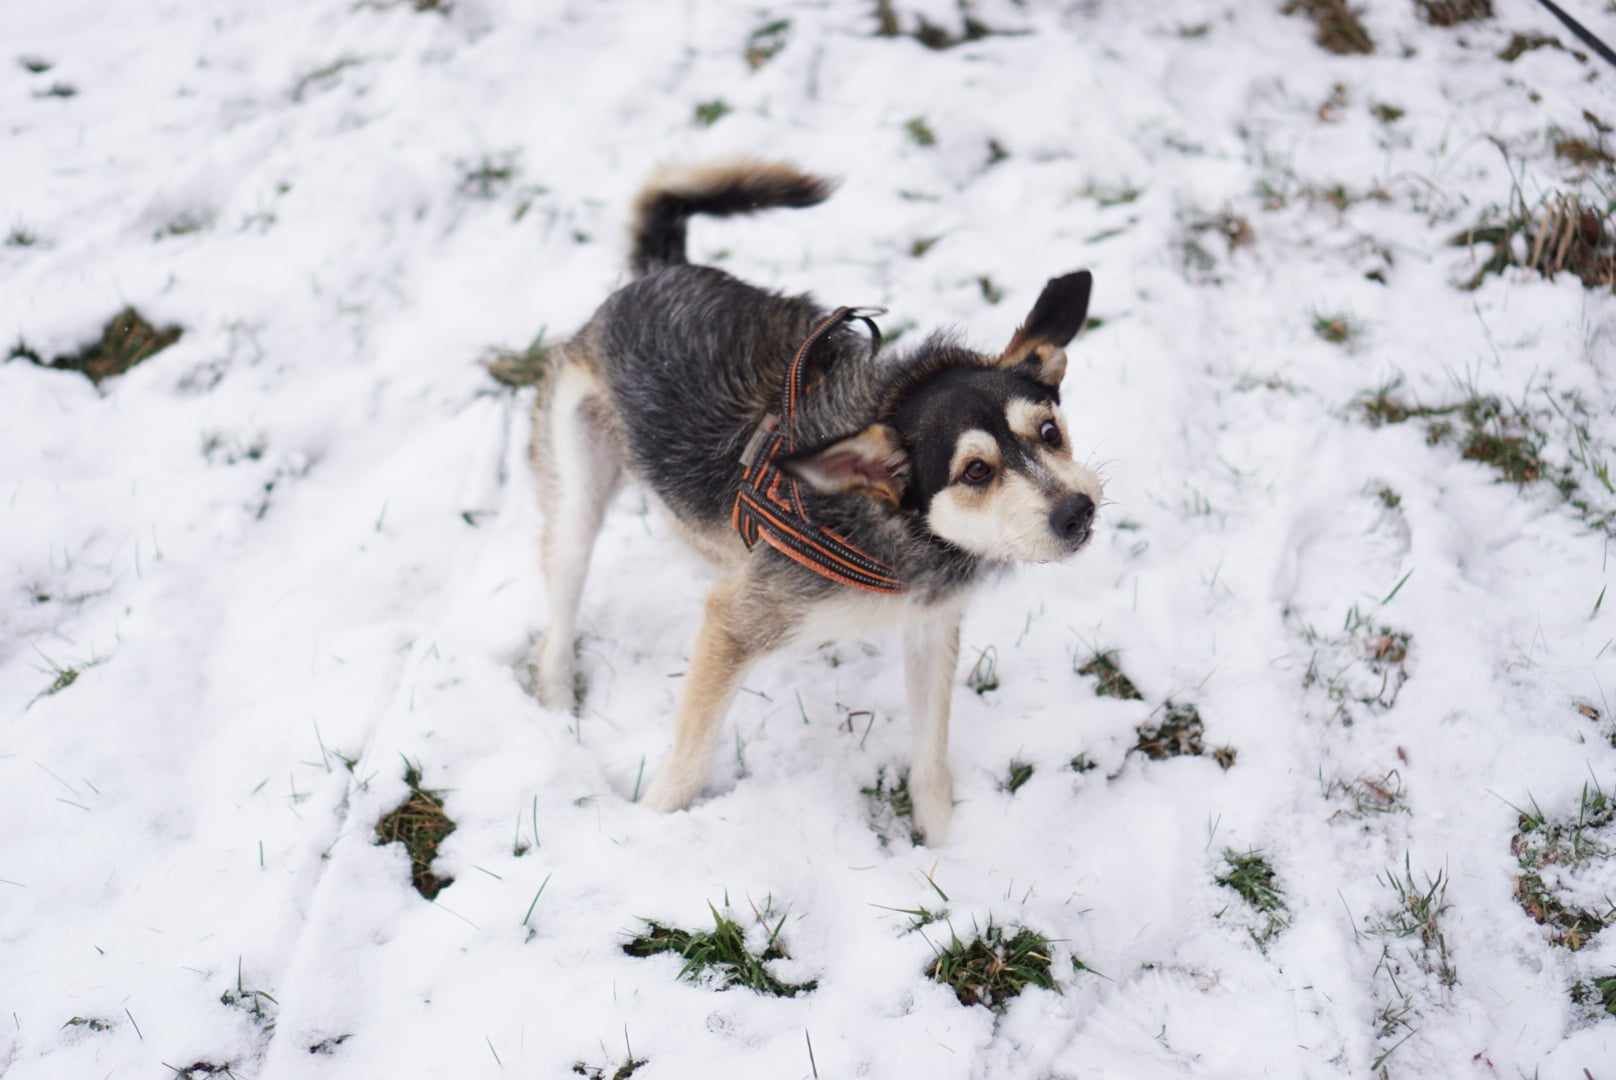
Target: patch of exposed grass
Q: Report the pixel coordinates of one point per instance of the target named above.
(1337, 26)
(993, 966)
(1483, 428)
(1020, 772)
(1580, 151)
(1388, 497)
(1252, 878)
(327, 1047)
(1556, 856)
(1366, 795)
(324, 75)
(1453, 12)
(517, 368)
(1386, 114)
(609, 1072)
(1080, 763)
(1562, 233)
(1110, 679)
(259, 1005)
(487, 175)
(1417, 912)
(984, 674)
(990, 289)
(920, 916)
(34, 65)
(1235, 230)
(933, 35)
(1225, 756)
(185, 223)
(420, 824)
(198, 1069)
(919, 132)
(612, 1071)
(90, 1023)
(890, 804)
(708, 113)
(1178, 735)
(1599, 993)
(764, 43)
(1199, 263)
(19, 237)
(1337, 328)
(1521, 44)
(127, 339)
(922, 244)
(720, 957)
(58, 90)
(1366, 664)
(1106, 196)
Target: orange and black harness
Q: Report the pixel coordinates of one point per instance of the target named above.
(769, 505)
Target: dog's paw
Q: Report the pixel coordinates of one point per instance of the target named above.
(932, 795)
(675, 787)
(554, 678)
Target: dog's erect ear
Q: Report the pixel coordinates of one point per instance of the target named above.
(1040, 341)
(873, 463)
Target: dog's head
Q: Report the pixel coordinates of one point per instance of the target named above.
(980, 449)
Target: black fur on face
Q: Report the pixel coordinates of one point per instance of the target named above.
(932, 416)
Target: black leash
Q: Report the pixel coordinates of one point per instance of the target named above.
(1582, 32)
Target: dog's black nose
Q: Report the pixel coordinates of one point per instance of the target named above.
(1072, 517)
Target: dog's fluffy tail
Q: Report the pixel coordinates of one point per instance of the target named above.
(739, 186)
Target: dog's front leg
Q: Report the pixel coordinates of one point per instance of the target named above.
(930, 654)
(726, 645)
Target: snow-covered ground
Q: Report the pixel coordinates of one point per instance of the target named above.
(304, 536)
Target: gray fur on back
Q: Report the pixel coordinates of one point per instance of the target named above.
(695, 358)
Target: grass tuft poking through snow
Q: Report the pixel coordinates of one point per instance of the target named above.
(1020, 773)
(1417, 912)
(1111, 681)
(1337, 329)
(1178, 735)
(1339, 30)
(89, 1023)
(1251, 876)
(984, 675)
(198, 1069)
(1599, 993)
(708, 113)
(1557, 859)
(1453, 12)
(920, 132)
(517, 368)
(721, 957)
(1562, 232)
(127, 339)
(993, 966)
(1485, 429)
(891, 805)
(765, 43)
(420, 824)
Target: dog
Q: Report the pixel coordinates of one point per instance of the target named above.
(832, 486)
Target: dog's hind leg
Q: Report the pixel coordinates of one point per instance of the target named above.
(579, 463)
(930, 655)
(736, 629)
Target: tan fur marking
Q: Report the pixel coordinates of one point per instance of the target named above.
(971, 445)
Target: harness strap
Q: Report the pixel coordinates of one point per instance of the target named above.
(769, 505)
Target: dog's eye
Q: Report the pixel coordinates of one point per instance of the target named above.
(1049, 431)
(977, 472)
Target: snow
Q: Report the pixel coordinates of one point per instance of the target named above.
(179, 814)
